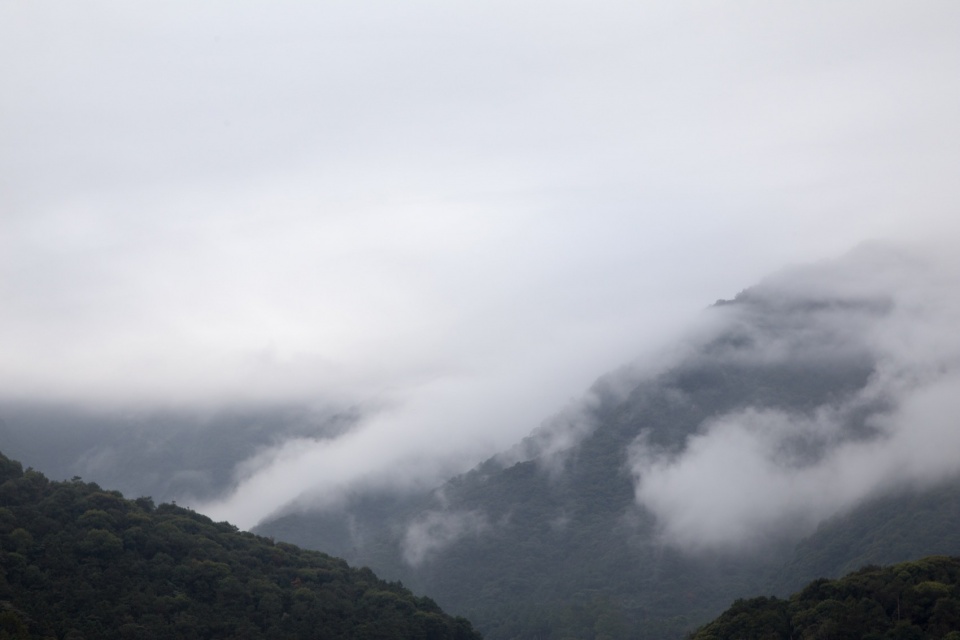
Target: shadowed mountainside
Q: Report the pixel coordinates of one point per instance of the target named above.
(635, 514)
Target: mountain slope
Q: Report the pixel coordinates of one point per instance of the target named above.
(892, 528)
(80, 562)
(679, 485)
(909, 600)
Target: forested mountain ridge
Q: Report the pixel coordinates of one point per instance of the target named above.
(77, 561)
(911, 600)
(644, 521)
(887, 530)
(802, 431)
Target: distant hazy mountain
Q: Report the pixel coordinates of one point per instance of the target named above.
(169, 454)
(819, 398)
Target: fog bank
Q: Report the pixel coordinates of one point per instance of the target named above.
(754, 473)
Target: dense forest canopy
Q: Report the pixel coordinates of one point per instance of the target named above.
(77, 561)
(909, 601)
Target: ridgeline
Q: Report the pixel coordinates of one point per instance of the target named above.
(909, 601)
(77, 561)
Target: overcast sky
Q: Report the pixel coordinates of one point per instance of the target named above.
(458, 213)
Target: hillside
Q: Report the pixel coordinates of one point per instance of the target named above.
(77, 561)
(560, 545)
(889, 529)
(909, 600)
(680, 485)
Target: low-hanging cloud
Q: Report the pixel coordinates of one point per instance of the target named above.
(551, 444)
(759, 473)
(433, 531)
(451, 216)
(411, 444)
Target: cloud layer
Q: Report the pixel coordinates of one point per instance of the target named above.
(434, 530)
(451, 216)
(751, 474)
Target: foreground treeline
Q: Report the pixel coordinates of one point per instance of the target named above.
(80, 562)
(908, 601)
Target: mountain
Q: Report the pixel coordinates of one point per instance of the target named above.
(885, 530)
(909, 600)
(77, 561)
(763, 451)
(169, 454)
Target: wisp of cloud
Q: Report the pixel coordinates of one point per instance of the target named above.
(739, 480)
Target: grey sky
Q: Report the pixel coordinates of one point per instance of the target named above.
(459, 213)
